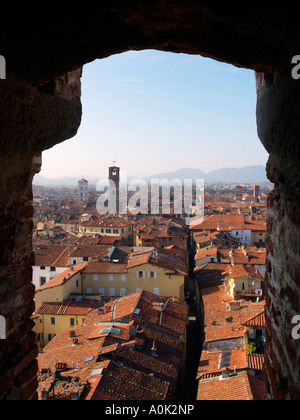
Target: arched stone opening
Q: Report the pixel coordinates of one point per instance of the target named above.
(40, 106)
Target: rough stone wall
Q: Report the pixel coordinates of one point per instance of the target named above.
(18, 351)
(279, 130)
(34, 121)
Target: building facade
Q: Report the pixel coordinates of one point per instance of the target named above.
(83, 190)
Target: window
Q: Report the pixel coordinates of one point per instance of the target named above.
(77, 283)
(50, 337)
(43, 280)
(52, 269)
(89, 290)
(72, 322)
(138, 289)
(140, 274)
(85, 259)
(156, 291)
(108, 230)
(95, 277)
(122, 292)
(112, 292)
(101, 291)
(42, 267)
(123, 277)
(75, 262)
(152, 274)
(111, 277)
(52, 321)
(116, 231)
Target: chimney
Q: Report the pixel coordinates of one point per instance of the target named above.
(154, 349)
(75, 341)
(72, 334)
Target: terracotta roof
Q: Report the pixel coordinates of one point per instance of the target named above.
(242, 386)
(91, 251)
(210, 362)
(114, 359)
(167, 259)
(108, 221)
(67, 308)
(256, 321)
(63, 277)
(94, 267)
(206, 252)
(139, 259)
(52, 255)
(226, 223)
(119, 382)
(255, 361)
(242, 271)
(224, 332)
(220, 222)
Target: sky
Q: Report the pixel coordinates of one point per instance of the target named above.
(154, 112)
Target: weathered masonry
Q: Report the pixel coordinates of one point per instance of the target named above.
(40, 106)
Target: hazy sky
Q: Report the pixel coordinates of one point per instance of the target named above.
(155, 112)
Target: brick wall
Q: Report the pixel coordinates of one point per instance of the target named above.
(31, 121)
(279, 129)
(18, 366)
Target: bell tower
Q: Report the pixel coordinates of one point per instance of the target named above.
(114, 175)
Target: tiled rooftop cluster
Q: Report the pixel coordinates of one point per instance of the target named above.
(131, 348)
(226, 369)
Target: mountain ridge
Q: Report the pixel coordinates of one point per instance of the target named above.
(247, 175)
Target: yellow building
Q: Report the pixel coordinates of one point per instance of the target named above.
(108, 226)
(150, 270)
(244, 281)
(258, 234)
(61, 287)
(141, 273)
(56, 317)
(62, 302)
(157, 273)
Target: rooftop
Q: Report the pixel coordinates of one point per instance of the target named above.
(128, 349)
(241, 386)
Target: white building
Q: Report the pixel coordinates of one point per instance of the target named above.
(83, 190)
(243, 235)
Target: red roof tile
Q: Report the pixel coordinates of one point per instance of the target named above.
(63, 277)
(242, 386)
(67, 308)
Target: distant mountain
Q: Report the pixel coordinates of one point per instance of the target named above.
(245, 175)
(181, 174)
(66, 181)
